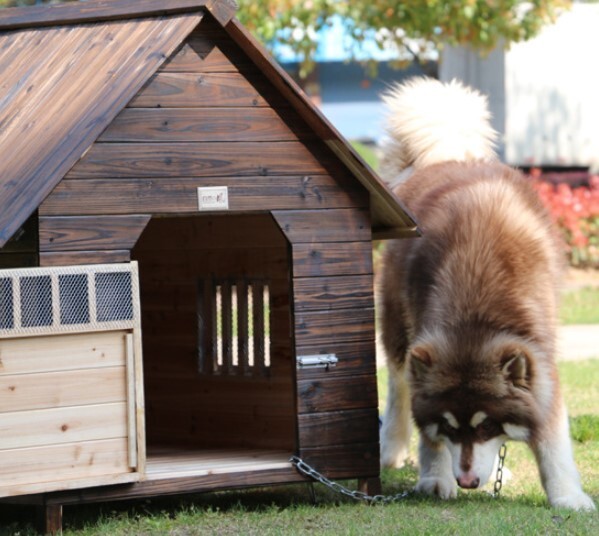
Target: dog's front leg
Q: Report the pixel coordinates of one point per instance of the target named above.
(397, 422)
(436, 475)
(553, 451)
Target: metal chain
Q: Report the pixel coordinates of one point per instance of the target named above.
(309, 471)
(499, 476)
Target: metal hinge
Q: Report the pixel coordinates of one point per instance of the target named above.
(317, 361)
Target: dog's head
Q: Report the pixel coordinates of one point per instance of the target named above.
(473, 397)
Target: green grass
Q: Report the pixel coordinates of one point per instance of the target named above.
(522, 509)
(367, 153)
(580, 306)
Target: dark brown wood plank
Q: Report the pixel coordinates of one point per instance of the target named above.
(203, 54)
(338, 428)
(333, 258)
(73, 233)
(179, 195)
(199, 125)
(345, 325)
(201, 90)
(347, 461)
(98, 10)
(67, 258)
(327, 293)
(129, 160)
(205, 232)
(356, 358)
(330, 394)
(309, 226)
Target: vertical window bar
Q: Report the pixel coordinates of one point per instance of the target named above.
(218, 329)
(267, 334)
(258, 324)
(243, 327)
(226, 328)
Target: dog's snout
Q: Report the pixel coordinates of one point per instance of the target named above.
(468, 481)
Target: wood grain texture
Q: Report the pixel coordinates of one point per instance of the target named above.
(39, 67)
(329, 293)
(70, 460)
(347, 461)
(74, 233)
(199, 125)
(332, 394)
(23, 392)
(98, 10)
(179, 195)
(201, 90)
(37, 428)
(342, 427)
(333, 258)
(309, 226)
(174, 486)
(29, 355)
(65, 258)
(129, 160)
(322, 327)
(356, 358)
(202, 53)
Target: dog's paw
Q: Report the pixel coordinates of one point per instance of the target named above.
(574, 501)
(443, 488)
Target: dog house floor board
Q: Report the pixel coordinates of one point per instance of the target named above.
(165, 462)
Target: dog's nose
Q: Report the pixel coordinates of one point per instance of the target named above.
(468, 481)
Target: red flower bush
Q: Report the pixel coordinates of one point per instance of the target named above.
(576, 212)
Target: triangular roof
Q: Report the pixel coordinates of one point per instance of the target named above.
(69, 69)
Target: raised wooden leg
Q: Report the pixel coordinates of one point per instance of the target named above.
(49, 519)
(370, 486)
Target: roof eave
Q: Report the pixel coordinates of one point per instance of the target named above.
(107, 10)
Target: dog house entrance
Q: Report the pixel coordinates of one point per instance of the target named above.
(219, 381)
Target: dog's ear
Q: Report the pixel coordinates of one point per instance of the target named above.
(421, 362)
(516, 368)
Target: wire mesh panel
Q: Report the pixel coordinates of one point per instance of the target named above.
(39, 301)
(234, 327)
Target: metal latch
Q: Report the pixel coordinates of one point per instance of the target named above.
(317, 361)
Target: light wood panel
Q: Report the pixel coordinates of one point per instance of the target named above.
(23, 429)
(94, 350)
(71, 460)
(20, 392)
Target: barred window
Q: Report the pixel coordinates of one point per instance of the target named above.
(234, 327)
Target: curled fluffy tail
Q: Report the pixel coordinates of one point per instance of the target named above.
(429, 122)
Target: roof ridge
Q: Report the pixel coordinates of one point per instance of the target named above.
(107, 10)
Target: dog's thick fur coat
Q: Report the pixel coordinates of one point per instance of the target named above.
(468, 310)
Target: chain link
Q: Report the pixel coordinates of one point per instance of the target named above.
(499, 476)
(309, 471)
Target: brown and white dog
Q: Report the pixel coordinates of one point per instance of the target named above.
(468, 310)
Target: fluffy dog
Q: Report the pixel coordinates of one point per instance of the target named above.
(468, 310)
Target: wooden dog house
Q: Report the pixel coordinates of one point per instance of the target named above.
(183, 237)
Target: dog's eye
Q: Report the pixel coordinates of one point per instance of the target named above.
(486, 425)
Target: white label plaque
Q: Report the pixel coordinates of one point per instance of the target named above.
(213, 198)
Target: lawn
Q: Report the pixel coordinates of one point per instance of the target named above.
(522, 508)
(580, 306)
